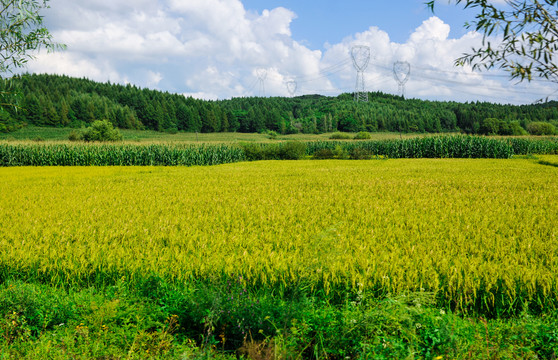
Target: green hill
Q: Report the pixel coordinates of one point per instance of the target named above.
(62, 101)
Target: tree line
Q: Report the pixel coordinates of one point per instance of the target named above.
(62, 101)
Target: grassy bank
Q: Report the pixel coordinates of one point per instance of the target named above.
(33, 133)
(197, 321)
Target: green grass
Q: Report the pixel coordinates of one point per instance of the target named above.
(33, 133)
(197, 321)
(49, 134)
(37, 134)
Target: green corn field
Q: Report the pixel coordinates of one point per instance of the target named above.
(116, 155)
(60, 154)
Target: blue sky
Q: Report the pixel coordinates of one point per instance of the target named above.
(330, 21)
(214, 49)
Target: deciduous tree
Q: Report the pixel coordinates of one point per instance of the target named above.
(520, 36)
(22, 33)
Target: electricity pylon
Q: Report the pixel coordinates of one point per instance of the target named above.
(401, 73)
(291, 87)
(262, 75)
(361, 58)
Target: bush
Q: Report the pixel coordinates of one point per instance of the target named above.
(363, 135)
(272, 135)
(74, 136)
(512, 128)
(360, 154)
(323, 154)
(340, 152)
(32, 309)
(490, 126)
(292, 150)
(101, 131)
(253, 151)
(339, 136)
(541, 128)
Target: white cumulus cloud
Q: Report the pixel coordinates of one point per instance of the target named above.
(212, 48)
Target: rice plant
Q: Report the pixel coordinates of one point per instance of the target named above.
(481, 235)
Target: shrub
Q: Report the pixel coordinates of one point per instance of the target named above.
(102, 130)
(363, 135)
(32, 309)
(292, 150)
(323, 154)
(339, 136)
(340, 153)
(512, 128)
(360, 154)
(252, 151)
(541, 128)
(74, 136)
(489, 126)
(272, 135)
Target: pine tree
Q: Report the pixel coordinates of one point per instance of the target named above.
(33, 111)
(64, 112)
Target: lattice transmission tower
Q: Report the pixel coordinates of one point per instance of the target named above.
(262, 75)
(291, 87)
(401, 73)
(361, 59)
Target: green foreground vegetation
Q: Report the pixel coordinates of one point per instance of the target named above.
(197, 321)
(384, 259)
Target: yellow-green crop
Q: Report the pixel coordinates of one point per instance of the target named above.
(479, 234)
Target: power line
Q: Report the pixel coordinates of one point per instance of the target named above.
(477, 74)
(461, 83)
(360, 56)
(456, 82)
(326, 72)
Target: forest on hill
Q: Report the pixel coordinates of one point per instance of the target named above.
(62, 101)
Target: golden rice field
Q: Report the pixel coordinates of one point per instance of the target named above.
(477, 233)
